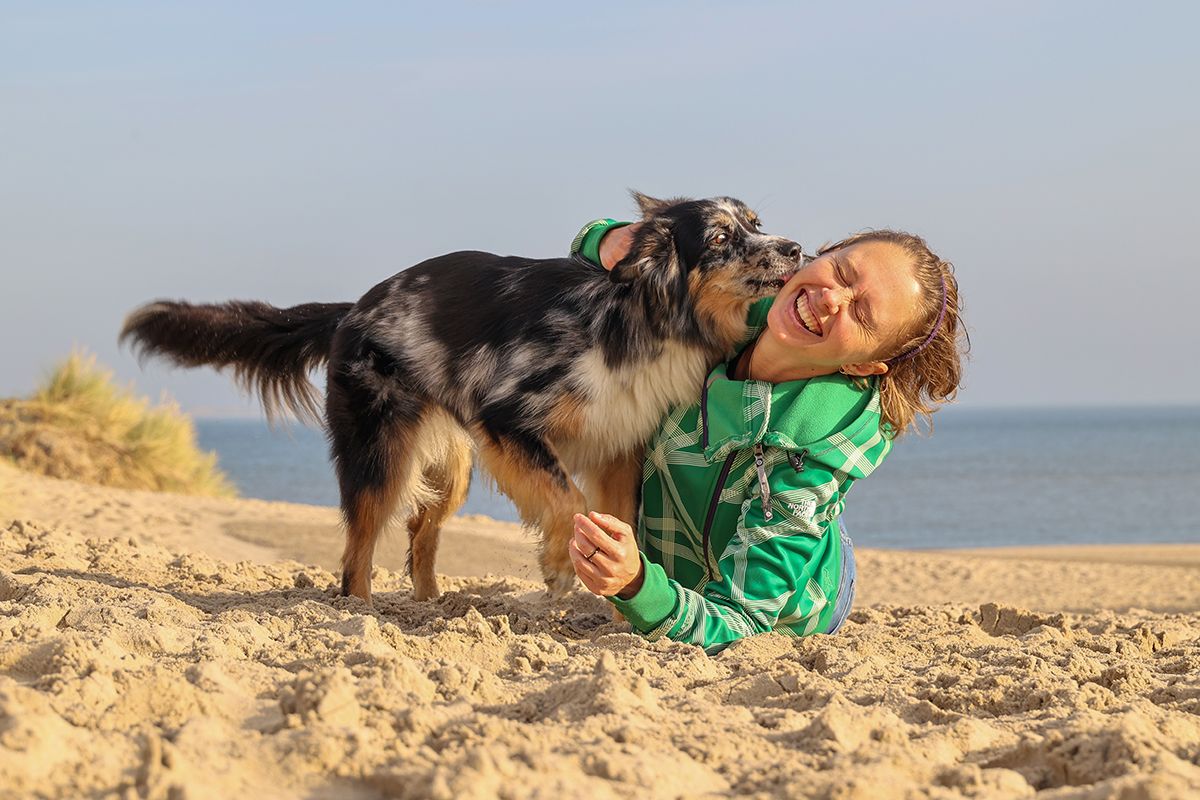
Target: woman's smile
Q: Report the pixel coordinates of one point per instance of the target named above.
(806, 315)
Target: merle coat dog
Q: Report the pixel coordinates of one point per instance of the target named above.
(549, 370)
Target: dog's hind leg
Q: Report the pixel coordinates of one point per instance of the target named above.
(450, 478)
(526, 469)
(372, 430)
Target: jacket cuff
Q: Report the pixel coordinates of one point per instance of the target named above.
(587, 241)
(653, 603)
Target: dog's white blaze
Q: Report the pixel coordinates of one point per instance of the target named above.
(625, 405)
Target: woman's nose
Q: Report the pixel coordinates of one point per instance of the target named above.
(834, 300)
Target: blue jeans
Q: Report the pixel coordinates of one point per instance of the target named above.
(845, 595)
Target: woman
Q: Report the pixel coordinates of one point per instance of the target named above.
(739, 529)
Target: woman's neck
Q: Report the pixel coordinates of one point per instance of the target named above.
(763, 361)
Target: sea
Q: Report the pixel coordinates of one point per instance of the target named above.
(984, 478)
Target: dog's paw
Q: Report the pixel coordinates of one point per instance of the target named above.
(424, 595)
(561, 585)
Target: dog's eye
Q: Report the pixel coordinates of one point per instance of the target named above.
(720, 239)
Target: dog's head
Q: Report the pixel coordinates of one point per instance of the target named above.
(706, 259)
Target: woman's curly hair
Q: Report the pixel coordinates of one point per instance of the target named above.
(913, 388)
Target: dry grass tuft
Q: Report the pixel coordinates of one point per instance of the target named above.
(79, 425)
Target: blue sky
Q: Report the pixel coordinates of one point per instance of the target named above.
(305, 151)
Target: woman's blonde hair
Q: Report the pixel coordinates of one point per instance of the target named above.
(922, 375)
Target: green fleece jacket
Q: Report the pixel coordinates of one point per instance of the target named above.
(740, 499)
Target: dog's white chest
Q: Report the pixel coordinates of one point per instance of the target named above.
(626, 404)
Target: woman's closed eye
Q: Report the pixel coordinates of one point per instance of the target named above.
(839, 272)
(861, 314)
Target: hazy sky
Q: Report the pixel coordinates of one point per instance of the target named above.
(305, 151)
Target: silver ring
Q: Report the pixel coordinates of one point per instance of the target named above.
(589, 557)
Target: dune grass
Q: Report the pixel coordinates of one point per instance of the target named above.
(82, 426)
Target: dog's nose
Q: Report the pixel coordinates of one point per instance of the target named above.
(793, 251)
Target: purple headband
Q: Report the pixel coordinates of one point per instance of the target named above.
(891, 362)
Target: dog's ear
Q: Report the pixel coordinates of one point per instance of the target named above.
(650, 205)
(653, 258)
(626, 270)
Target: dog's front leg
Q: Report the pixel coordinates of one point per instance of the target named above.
(527, 469)
(615, 488)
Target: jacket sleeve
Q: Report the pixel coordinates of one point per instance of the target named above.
(769, 573)
(587, 242)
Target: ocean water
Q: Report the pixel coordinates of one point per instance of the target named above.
(983, 479)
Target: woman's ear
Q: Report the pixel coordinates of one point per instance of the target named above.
(864, 370)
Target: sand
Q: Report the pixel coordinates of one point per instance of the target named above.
(158, 646)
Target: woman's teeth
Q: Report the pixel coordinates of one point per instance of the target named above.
(810, 323)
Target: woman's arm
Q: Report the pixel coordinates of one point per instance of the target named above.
(768, 575)
(604, 242)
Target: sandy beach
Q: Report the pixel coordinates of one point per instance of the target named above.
(160, 646)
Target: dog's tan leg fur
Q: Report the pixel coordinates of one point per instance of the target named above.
(614, 486)
(366, 520)
(542, 501)
(450, 480)
(613, 489)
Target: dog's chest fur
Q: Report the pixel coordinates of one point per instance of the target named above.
(624, 405)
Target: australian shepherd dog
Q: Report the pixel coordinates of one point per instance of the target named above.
(553, 372)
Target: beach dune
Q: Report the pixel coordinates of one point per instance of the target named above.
(160, 646)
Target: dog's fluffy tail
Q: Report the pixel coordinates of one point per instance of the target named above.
(271, 350)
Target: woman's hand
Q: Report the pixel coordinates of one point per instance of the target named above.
(616, 244)
(605, 555)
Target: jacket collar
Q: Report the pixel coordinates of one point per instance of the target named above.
(835, 420)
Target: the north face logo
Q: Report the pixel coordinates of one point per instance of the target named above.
(805, 509)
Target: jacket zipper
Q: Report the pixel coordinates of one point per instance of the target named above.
(712, 511)
(764, 488)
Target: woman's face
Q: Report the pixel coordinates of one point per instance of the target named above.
(842, 308)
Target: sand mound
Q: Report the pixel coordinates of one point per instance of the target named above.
(82, 426)
(130, 670)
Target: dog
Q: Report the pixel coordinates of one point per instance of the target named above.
(547, 369)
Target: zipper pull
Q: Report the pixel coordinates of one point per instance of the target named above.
(764, 488)
(797, 460)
